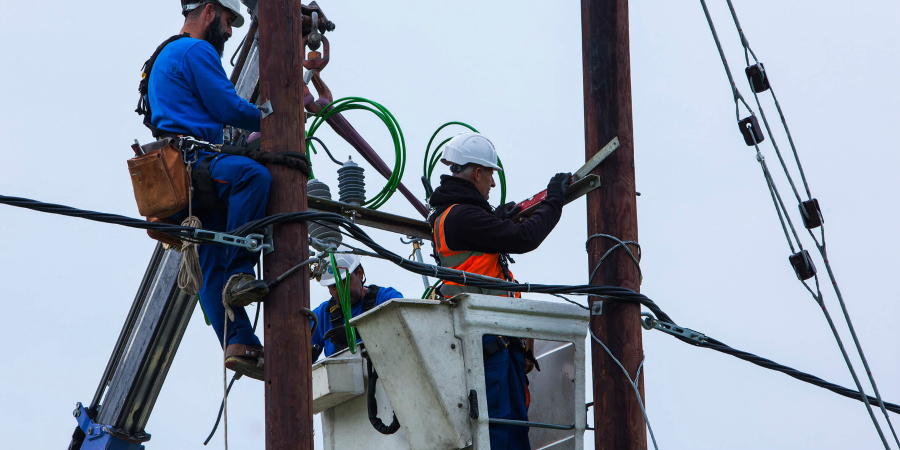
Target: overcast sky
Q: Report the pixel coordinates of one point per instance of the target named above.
(714, 255)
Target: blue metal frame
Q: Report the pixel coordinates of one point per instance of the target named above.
(100, 437)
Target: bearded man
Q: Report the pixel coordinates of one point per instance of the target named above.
(189, 94)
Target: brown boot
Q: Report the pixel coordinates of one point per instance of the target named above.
(243, 289)
(246, 360)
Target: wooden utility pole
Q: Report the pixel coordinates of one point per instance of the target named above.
(618, 421)
(288, 381)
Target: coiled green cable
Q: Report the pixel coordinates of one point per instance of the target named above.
(359, 103)
(433, 157)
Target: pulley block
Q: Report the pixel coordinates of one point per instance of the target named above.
(803, 265)
(756, 75)
(812, 214)
(750, 129)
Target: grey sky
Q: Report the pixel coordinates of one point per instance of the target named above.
(714, 256)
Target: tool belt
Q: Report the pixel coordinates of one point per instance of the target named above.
(162, 186)
(160, 179)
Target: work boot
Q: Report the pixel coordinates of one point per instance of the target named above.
(246, 360)
(243, 289)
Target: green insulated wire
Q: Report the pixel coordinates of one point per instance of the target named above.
(431, 289)
(433, 157)
(359, 103)
(344, 300)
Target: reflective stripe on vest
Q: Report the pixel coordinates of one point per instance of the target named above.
(468, 261)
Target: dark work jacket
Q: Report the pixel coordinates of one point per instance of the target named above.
(472, 226)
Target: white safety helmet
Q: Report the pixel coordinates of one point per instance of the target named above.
(471, 148)
(347, 264)
(233, 5)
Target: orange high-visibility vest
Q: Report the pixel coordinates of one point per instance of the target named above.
(487, 264)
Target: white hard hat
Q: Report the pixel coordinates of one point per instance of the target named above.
(233, 5)
(471, 148)
(347, 264)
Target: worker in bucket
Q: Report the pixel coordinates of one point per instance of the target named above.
(190, 95)
(471, 236)
(330, 335)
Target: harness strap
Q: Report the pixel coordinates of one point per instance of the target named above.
(143, 106)
(204, 186)
(294, 160)
(339, 340)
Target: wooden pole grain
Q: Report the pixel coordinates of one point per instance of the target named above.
(288, 380)
(612, 210)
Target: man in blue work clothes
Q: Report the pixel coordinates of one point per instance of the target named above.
(362, 298)
(190, 95)
(472, 237)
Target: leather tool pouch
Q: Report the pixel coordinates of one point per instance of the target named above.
(160, 180)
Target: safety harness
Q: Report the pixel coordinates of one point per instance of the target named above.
(143, 106)
(339, 338)
(204, 186)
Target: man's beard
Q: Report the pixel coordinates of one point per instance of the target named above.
(216, 36)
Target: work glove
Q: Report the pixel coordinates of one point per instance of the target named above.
(559, 184)
(507, 211)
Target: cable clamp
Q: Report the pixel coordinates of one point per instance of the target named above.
(253, 242)
(651, 322)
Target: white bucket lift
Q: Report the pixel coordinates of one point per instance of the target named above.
(429, 359)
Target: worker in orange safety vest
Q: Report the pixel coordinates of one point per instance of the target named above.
(471, 236)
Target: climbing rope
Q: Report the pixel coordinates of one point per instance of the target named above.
(432, 157)
(190, 275)
(225, 386)
(760, 82)
(359, 103)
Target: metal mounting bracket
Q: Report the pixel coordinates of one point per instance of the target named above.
(597, 308)
(269, 240)
(253, 242)
(266, 109)
(650, 322)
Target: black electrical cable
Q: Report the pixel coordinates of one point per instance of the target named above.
(474, 280)
(181, 232)
(802, 376)
(372, 404)
(237, 50)
(314, 138)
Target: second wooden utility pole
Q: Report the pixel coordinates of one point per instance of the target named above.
(612, 210)
(288, 380)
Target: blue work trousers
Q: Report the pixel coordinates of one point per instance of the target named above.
(243, 186)
(504, 376)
